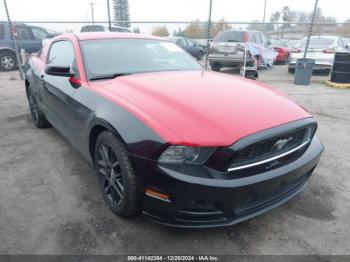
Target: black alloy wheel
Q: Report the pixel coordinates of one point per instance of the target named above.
(119, 184)
(109, 168)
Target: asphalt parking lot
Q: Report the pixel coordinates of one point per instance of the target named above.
(50, 202)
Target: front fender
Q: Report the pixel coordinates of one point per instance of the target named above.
(139, 139)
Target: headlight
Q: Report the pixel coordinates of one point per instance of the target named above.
(186, 154)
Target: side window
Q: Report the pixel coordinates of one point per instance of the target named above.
(39, 34)
(24, 33)
(62, 53)
(2, 32)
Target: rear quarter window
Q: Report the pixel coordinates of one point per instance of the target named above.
(2, 32)
(230, 36)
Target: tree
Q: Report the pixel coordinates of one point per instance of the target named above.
(286, 17)
(255, 25)
(160, 31)
(121, 12)
(275, 17)
(179, 32)
(344, 29)
(221, 25)
(194, 30)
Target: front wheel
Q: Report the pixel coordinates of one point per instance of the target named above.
(215, 67)
(119, 184)
(200, 56)
(7, 61)
(291, 70)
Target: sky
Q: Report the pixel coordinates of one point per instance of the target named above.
(164, 10)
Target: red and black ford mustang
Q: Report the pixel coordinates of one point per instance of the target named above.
(184, 146)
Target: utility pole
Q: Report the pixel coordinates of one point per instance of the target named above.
(264, 14)
(109, 17)
(92, 12)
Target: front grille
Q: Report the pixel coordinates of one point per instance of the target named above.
(270, 148)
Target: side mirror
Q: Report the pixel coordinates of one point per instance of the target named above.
(59, 70)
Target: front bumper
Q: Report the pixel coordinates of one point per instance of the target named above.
(201, 202)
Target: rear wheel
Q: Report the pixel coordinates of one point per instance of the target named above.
(291, 70)
(286, 60)
(119, 184)
(7, 61)
(215, 67)
(38, 116)
(200, 56)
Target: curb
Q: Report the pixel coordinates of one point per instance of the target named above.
(337, 85)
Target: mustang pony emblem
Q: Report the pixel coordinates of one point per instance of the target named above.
(281, 143)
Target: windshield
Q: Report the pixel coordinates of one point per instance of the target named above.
(108, 57)
(230, 36)
(317, 42)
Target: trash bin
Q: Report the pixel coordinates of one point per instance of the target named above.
(303, 71)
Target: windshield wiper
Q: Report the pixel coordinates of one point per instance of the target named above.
(111, 76)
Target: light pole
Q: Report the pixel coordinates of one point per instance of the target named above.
(92, 12)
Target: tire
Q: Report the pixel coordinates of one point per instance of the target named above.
(200, 56)
(286, 60)
(119, 184)
(291, 70)
(215, 67)
(38, 116)
(7, 61)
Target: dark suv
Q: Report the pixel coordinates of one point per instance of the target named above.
(188, 45)
(227, 49)
(28, 38)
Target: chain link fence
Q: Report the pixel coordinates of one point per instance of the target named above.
(254, 46)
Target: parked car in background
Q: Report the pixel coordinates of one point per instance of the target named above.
(183, 146)
(189, 45)
(203, 43)
(321, 49)
(347, 43)
(283, 49)
(227, 48)
(101, 28)
(28, 37)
